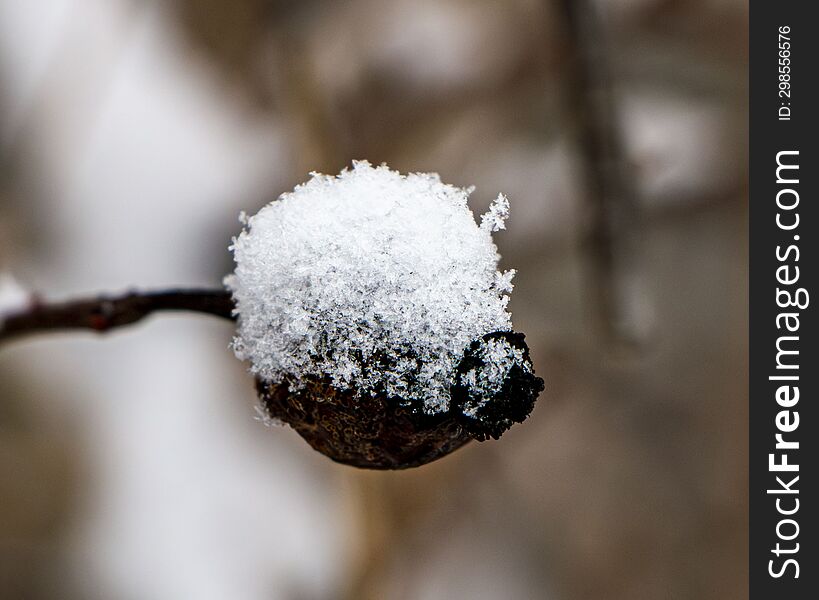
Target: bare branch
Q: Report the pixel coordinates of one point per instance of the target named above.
(104, 313)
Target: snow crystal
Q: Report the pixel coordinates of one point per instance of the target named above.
(495, 219)
(371, 279)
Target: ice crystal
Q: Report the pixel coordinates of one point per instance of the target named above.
(495, 219)
(374, 281)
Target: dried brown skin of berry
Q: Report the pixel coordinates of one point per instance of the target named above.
(377, 432)
(362, 431)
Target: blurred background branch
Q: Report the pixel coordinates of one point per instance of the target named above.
(612, 214)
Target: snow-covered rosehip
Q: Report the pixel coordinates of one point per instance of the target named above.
(373, 315)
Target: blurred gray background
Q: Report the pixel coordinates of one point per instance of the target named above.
(133, 132)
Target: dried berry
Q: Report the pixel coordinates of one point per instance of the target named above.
(365, 306)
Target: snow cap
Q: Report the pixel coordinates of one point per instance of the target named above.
(376, 282)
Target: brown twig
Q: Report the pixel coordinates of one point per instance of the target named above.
(104, 313)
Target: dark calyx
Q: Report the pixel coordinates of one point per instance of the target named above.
(378, 432)
(512, 403)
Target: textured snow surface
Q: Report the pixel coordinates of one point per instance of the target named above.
(376, 280)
